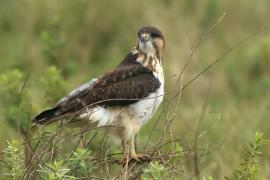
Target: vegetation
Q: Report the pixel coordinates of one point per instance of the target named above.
(48, 48)
(249, 168)
(82, 165)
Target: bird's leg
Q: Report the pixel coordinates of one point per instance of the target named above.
(126, 150)
(132, 151)
(132, 148)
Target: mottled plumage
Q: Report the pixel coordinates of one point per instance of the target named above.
(126, 97)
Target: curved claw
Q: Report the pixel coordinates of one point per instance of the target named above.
(137, 158)
(140, 157)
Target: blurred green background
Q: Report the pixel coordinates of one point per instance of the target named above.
(57, 45)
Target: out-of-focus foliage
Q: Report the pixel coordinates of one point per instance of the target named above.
(54, 46)
(53, 43)
(52, 85)
(250, 166)
(14, 162)
(254, 81)
(10, 86)
(15, 105)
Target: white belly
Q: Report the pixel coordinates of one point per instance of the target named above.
(140, 111)
(143, 110)
(130, 117)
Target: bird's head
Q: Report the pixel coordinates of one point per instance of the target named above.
(151, 41)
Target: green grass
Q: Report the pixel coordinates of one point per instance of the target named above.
(55, 46)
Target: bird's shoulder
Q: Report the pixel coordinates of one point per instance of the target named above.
(127, 69)
(126, 84)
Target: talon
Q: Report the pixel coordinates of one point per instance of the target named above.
(140, 157)
(137, 158)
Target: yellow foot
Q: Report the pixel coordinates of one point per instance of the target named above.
(139, 157)
(136, 158)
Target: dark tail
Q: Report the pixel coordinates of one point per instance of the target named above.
(47, 116)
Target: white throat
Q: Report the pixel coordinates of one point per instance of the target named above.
(147, 47)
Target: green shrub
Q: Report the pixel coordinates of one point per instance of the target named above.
(154, 171)
(14, 163)
(55, 171)
(53, 85)
(14, 102)
(81, 162)
(53, 42)
(250, 167)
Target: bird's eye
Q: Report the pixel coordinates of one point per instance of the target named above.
(154, 36)
(139, 35)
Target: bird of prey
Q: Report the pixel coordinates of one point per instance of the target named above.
(126, 97)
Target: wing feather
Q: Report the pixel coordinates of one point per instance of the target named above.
(127, 84)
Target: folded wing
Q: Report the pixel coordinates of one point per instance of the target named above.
(126, 85)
